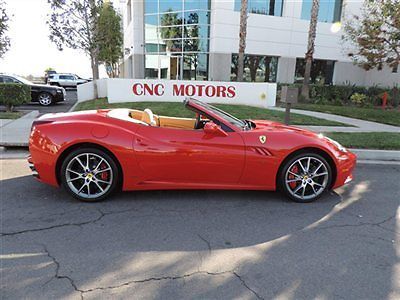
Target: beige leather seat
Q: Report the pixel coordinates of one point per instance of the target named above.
(148, 117)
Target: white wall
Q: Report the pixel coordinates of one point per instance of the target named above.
(102, 87)
(121, 90)
(85, 91)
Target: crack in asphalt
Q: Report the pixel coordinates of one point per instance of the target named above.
(178, 277)
(378, 224)
(205, 241)
(246, 285)
(101, 215)
(57, 275)
(157, 279)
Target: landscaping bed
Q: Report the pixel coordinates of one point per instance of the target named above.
(11, 115)
(240, 111)
(390, 117)
(367, 140)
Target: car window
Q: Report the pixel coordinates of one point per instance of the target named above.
(51, 76)
(10, 80)
(1, 79)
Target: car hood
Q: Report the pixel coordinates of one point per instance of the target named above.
(267, 126)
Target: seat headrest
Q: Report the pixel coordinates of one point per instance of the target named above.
(148, 117)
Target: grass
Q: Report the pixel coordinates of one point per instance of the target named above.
(10, 115)
(390, 117)
(241, 111)
(367, 140)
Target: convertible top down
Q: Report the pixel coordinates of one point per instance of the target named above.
(93, 153)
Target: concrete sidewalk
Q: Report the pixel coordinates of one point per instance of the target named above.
(359, 125)
(16, 133)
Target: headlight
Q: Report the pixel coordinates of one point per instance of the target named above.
(338, 145)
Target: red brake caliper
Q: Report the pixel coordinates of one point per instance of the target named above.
(104, 175)
(294, 170)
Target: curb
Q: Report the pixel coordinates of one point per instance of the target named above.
(20, 131)
(73, 106)
(383, 155)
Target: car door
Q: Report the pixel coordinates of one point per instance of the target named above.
(63, 80)
(189, 156)
(71, 81)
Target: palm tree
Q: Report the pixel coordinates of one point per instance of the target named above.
(242, 39)
(305, 90)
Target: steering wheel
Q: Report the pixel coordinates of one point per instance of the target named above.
(197, 122)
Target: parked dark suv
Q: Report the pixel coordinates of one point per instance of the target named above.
(44, 94)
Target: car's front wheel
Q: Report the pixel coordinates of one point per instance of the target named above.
(305, 177)
(45, 99)
(89, 174)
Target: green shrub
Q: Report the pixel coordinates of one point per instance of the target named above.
(13, 94)
(358, 99)
(342, 94)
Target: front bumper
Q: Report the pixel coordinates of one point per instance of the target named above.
(345, 166)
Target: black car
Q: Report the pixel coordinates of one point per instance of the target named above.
(44, 94)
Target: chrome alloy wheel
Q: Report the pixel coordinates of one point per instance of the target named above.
(89, 175)
(306, 178)
(45, 99)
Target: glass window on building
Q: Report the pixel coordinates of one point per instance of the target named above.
(329, 10)
(177, 39)
(263, 7)
(257, 68)
(321, 71)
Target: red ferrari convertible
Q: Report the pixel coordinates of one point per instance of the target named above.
(94, 153)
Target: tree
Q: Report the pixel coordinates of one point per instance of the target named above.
(375, 35)
(110, 39)
(267, 66)
(172, 32)
(242, 39)
(192, 42)
(4, 39)
(305, 89)
(73, 24)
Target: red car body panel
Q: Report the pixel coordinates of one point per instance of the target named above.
(153, 157)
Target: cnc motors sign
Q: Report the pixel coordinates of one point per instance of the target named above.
(131, 90)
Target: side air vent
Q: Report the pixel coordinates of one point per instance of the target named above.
(261, 151)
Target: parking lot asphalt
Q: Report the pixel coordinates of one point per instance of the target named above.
(70, 99)
(201, 244)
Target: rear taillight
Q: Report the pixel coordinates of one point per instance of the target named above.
(40, 122)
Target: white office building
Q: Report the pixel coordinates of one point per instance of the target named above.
(199, 40)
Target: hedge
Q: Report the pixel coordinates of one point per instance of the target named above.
(347, 95)
(13, 94)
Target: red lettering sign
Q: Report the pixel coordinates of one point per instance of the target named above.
(185, 90)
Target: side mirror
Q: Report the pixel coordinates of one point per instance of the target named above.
(214, 129)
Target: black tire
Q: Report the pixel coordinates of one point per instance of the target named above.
(306, 180)
(93, 182)
(45, 99)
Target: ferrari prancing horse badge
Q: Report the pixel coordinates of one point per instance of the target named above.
(263, 139)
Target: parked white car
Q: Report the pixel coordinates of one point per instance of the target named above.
(66, 80)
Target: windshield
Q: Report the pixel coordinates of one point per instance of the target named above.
(23, 80)
(224, 115)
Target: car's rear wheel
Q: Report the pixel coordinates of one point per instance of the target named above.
(89, 174)
(305, 177)
(45, 99)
